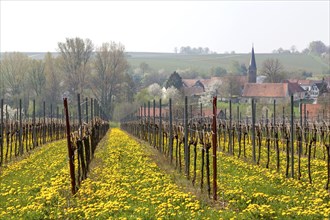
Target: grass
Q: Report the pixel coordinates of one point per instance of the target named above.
(27, 186)
(114, 124)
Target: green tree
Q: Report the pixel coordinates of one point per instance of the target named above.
(153, 77)
(144, 67)
(218, 71)
(174, 80)
(244, 69)
(238, 68)
(143, 96)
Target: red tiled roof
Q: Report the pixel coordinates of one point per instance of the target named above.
(208, 82)
(189, 82)
(301, 81)
(267, 90)
(295, 88)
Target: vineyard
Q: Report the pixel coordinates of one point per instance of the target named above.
(287, 150)
(19, 134)
(123, 183)
(237, 167)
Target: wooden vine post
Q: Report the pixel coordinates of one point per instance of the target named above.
(149, 133)
(145, 130)
(186, 146)
(86, 109)
(253, 132)
(154, 122)
(171, 132)
(160, 126)
(292, 140)
(34, 135)
(214, 144)
(20, 128)
(231, 147)
(92, 112)
(70, 149)
(1, 133)
(328, 166)
(44, 124)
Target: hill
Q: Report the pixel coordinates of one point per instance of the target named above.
(202, 63)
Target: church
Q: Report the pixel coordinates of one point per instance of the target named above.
(252, 71)
(267, 92)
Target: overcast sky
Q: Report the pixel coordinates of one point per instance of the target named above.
(159, 26)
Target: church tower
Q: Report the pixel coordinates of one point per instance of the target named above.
(252, 72)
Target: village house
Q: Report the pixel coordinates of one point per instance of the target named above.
(313, 88)
(322, 86)
(251, 87)
(266, 92)
(198, 87)
(296, 90)
(193, 87)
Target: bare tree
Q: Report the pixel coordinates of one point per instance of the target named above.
(76, 54)
(273, 70)
(36, 77)
(14, 71)
(230, 86)
(53, 79)
(127, 89)
(2, 82)
(111, 65)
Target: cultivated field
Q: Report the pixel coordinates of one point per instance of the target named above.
(203, 63)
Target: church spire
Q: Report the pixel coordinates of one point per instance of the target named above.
(253, 60)
(252, 72)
